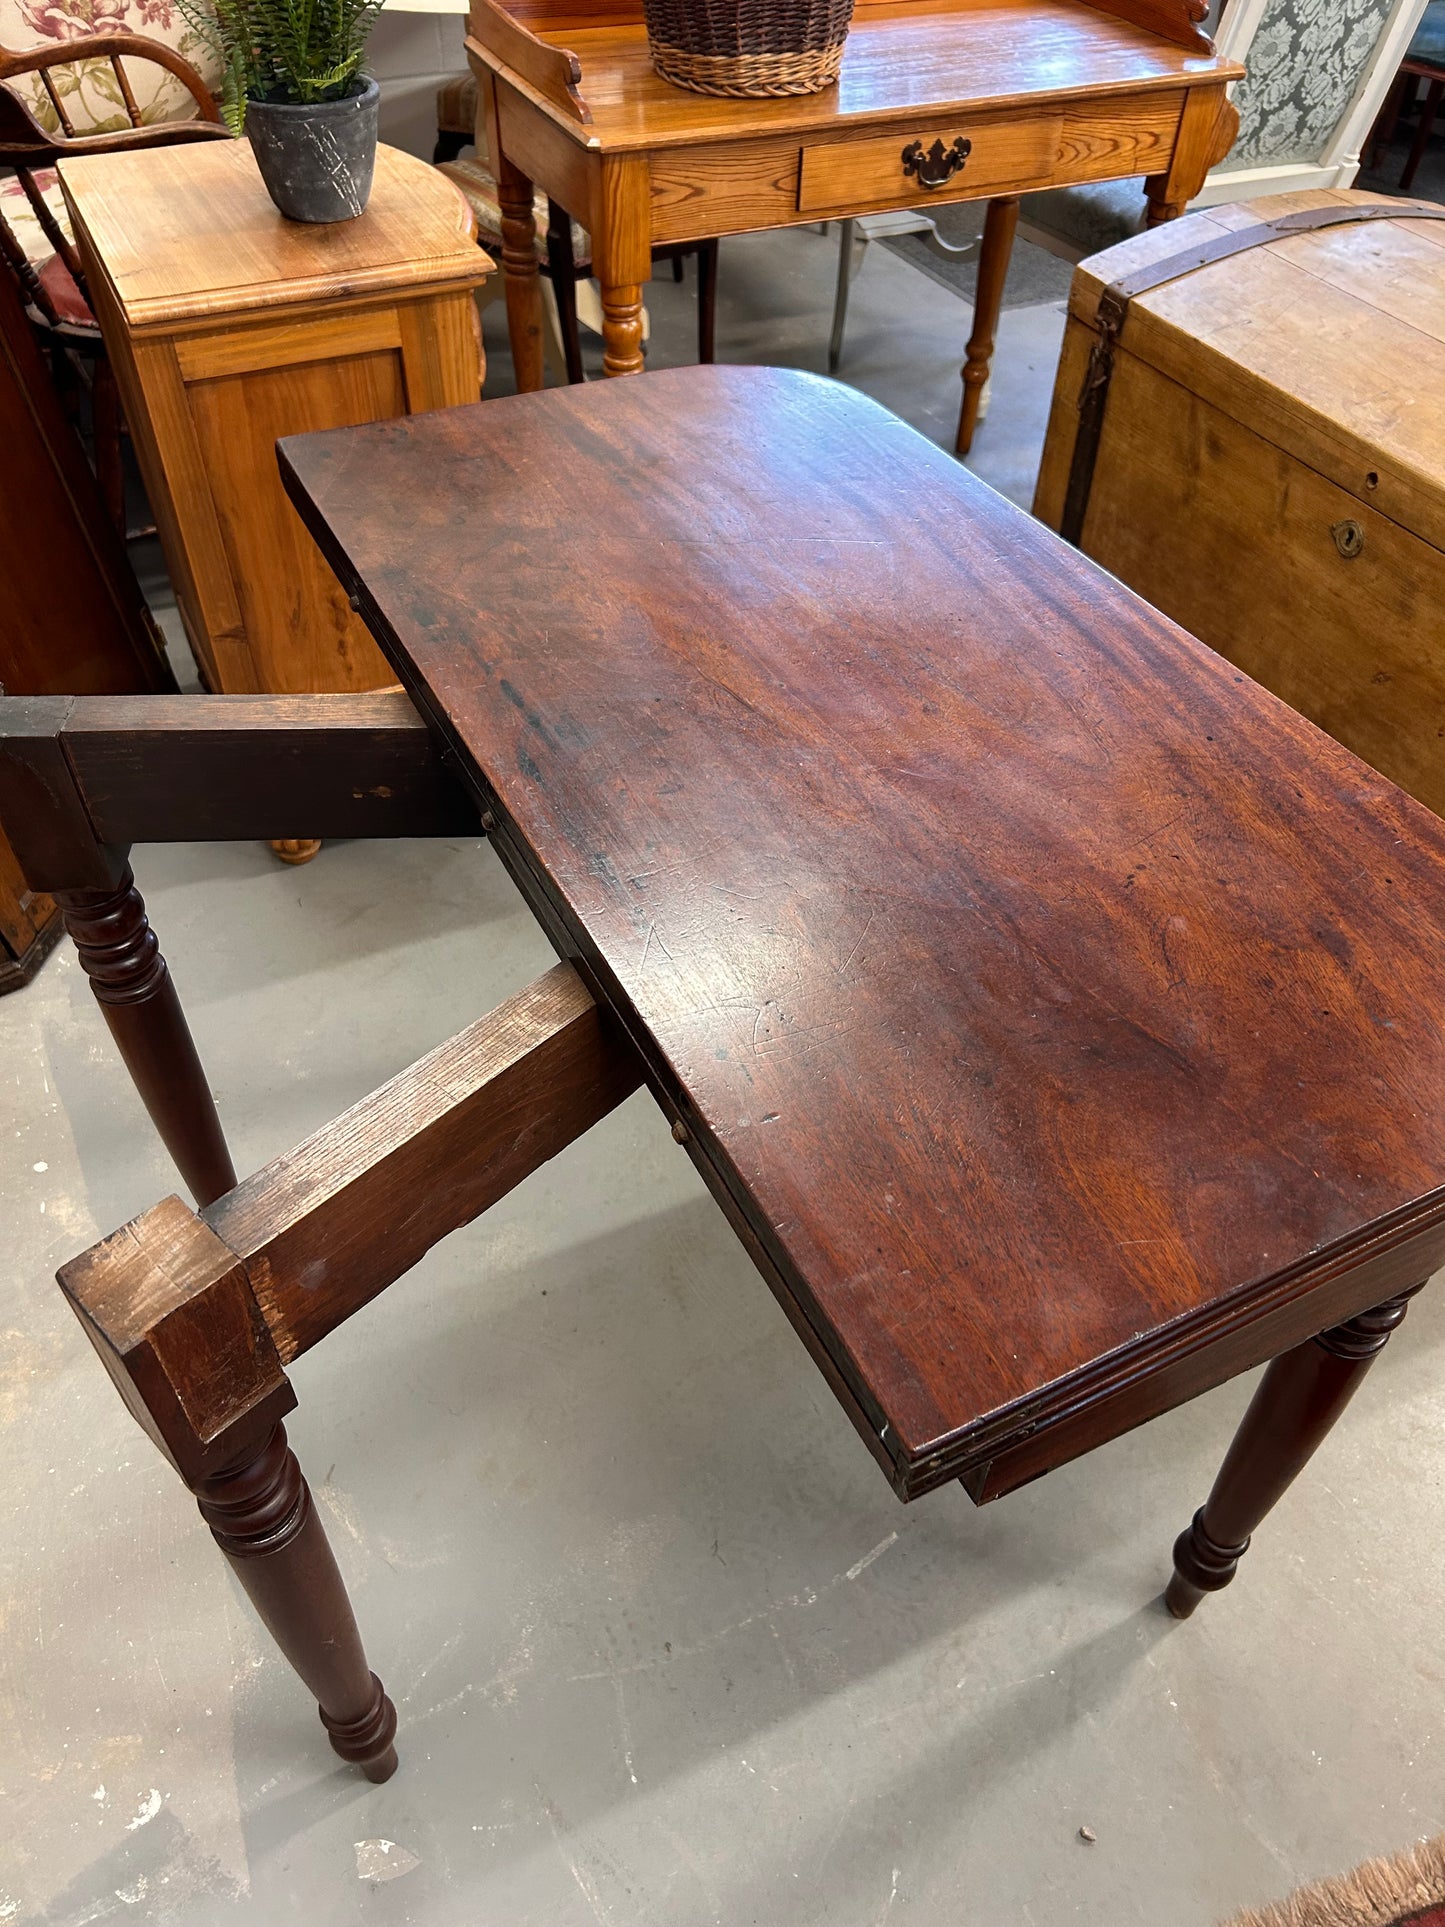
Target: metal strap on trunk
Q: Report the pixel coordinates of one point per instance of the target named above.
(1114, 311)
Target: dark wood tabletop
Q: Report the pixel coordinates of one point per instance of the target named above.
(1055, 1013)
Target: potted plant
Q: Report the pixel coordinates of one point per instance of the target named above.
(293, 83)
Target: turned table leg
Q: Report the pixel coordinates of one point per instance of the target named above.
(1299, 1398)
(999, 225)
(263, 1518)
(120, 956)
(519, 267)
(622, 261)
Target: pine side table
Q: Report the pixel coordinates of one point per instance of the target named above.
(938, 101)
(230, 326)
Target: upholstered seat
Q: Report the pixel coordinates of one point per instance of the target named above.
(477, 182)
(21, 219)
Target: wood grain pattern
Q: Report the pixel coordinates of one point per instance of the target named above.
(751, 184)
(1207, 128)
(300, 632)
(323, 1229)
(553, 71)
(229, 326)
(1257, 408)
(840, 174)
(699, 166)
(1179, 20)
(168, 1309)
(182, 768)
(154, 219)
(1050, 1002)
(1339, 409)
(900, 59)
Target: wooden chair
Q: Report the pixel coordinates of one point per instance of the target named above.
(563, 248)
(37, 247)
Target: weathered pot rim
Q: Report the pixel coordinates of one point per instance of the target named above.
(371, 89)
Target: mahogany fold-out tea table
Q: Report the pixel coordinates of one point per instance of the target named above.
(1054, 1015)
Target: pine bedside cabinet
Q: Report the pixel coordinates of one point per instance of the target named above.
(230, 326)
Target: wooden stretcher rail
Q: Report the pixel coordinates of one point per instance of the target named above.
(195, 1315)
(323, 1229)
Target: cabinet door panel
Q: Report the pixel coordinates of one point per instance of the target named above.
(301, 632)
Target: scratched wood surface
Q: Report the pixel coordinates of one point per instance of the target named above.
(1045, 1002)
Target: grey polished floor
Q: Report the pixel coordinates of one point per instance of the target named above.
(665, 1648)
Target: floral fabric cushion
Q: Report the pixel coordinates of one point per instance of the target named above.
(92, 98)
(23, 222)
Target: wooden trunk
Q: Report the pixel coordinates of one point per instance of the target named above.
(1270, 470)
(230, 326)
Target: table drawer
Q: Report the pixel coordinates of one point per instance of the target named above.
(908, 169)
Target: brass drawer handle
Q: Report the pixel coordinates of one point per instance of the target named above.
(1349, 538)
(939, 165)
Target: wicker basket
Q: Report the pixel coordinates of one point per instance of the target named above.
(752, 47)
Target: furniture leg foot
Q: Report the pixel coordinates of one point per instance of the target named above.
(119, 954)
(295, 849)
(999, 225)
(1297, 1402)
(622, 329)
(262, 1516)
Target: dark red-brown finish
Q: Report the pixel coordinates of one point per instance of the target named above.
(1052, 1004)
(119, 954)
(262, 1516)
(1295, 1405)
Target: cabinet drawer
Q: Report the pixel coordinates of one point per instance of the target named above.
(972, 157)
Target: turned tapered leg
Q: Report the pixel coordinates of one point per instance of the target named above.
(119, 954)
(622, 260)
(999, 224)
(262, 1517)
(1299, 1398)
(519, 267)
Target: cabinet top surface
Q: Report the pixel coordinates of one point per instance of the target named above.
(899, 59)
(1343, 327)
(183, 233)
(1046, 994)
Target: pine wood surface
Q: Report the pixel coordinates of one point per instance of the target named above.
(186, 232)
(1311, 341)
(1259, 406)
(900, 58)
(229, 326)
(1054, 1012)
(1053, 92)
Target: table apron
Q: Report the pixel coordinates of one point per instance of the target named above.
(1121, 1400)
(733, 187)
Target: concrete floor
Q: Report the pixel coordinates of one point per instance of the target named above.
(664, 1646)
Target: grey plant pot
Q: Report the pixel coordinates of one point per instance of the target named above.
(316, 158)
